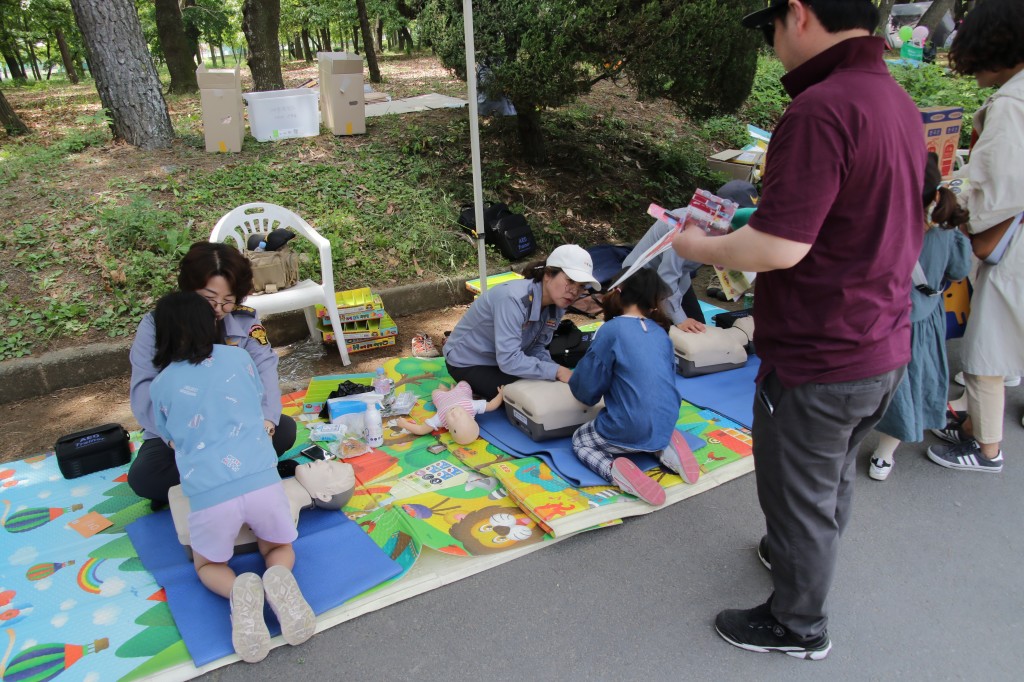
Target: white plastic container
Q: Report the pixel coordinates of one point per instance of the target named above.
(283, 114)
(374, 426)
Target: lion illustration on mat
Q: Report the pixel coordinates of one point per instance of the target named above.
(495, 529)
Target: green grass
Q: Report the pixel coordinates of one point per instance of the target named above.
(96, 229)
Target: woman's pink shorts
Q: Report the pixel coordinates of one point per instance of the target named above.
(213, 530)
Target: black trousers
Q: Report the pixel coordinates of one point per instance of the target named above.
(154, 471)
(483, 379)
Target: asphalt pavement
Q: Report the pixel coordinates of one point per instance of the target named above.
(929, 586)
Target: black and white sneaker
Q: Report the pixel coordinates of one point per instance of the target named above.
(762, 552)
(757, 630)
(965, 456)
(953, 433)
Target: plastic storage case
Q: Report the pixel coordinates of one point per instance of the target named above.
(546, 409)
(283, 114)
(96, 449)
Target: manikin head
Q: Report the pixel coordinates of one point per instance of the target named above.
(462, 425)
(330, 483)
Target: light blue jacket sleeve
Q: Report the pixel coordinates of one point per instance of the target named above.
(508, 345)
(265, 358)
(676, 272)
(143, 373)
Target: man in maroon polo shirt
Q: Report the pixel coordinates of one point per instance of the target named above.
(835, 236)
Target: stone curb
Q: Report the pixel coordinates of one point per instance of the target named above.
(32, 377)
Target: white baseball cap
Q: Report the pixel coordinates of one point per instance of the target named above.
(576, 263)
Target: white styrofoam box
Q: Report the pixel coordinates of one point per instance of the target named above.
(282, 114)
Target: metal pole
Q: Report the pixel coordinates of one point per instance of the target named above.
(474, 139)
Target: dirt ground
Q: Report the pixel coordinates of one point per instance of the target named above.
(32, 426)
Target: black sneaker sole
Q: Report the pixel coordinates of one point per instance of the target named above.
(794, 651)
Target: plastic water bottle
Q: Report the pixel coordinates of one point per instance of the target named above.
(382, 383)
(262, 247)
(374, 426)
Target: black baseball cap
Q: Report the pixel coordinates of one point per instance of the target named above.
(764, 16)
(278, 238)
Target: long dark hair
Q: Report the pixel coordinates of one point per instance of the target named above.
(186, 329)
(990, 38)
(645, 289)
(947, 213)
(206, 260)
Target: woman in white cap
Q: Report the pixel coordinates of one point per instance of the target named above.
(504, 334)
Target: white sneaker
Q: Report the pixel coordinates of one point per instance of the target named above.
(1008, 382)
(298, 622)
(249, 634)
(879, 469)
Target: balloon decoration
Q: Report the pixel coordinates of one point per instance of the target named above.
(920, 34)
(906, 33)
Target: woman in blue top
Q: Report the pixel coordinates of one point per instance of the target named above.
(206, 406)
(505, 333)
(630, 364)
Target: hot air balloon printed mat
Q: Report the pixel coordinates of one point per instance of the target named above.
(81, 605)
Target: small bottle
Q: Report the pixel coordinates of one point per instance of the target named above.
(382, 383)
(262, 247)
(374, 426)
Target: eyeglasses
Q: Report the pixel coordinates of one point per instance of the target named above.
(226, 306)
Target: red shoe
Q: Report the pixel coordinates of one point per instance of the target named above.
(632, 480)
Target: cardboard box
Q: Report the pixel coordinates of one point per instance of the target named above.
(942, 134)
(220, 96)
(736, 163)
(342, 102)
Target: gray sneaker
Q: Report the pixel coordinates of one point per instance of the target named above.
(249, 634)
(298, 622)
(966, 457)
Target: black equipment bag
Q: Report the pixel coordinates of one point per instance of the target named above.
(513, 236)
(506, 230)
(569, 344)
(726, 319)
(96, 449)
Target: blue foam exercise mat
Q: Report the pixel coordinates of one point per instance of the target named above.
(557, 453)
(335, 561)
(729, 393)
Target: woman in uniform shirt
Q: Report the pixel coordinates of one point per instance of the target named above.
(221, 275)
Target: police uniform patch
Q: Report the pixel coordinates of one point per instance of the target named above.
(259, 333)
(244, 310)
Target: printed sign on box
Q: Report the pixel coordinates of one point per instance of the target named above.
(942, 134)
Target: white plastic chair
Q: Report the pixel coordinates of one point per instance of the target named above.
(261, 218)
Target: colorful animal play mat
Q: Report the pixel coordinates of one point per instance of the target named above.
(79, 601)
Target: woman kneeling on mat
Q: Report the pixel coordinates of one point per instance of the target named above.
(630, 363)
(504, 334)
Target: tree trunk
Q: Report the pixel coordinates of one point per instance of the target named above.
(531, 135)
(408, 39)
(65, 55)
(177, 51)
(884, 10)
(380, 35)
(260, 22)
(32, 60)
(125, 77)
(371, 56)
(933, 15)
(10, 121)
(213, 55)
(306, 52)
(355, 39)
(192, 34)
